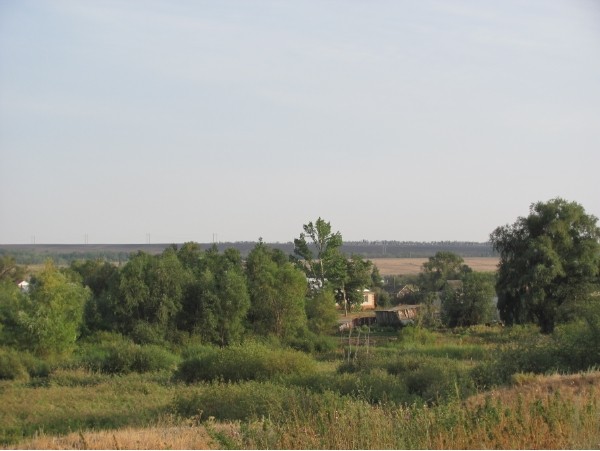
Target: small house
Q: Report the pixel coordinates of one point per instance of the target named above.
(368, 300)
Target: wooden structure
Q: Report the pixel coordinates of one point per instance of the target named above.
(400, 315)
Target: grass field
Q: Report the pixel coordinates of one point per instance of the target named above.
(411, 266)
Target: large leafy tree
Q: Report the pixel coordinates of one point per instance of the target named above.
(549, 263)
(358, 276)
(277, 292)
(321, 312)
(471, 303)
(102, 278)
(150, 291)
(216, 301)
(317, 251)
(50, 316)
(440, 268)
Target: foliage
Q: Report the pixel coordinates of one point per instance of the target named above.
(469, 304)
(251, 361)
(21, 365)
(549, 263)
(321, 311)
(103, 279)
(328, 263)
(440, 268)
(10, 271)
(119, 355)
(49, 317)
(151, 290)
(358, 277)
(277, 291)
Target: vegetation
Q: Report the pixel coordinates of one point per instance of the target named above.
(244, 353)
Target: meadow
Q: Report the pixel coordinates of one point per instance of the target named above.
(471, 388)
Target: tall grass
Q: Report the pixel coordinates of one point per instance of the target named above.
(72, 400)
(534, 420)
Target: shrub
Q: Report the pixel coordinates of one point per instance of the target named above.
(120, 356)
(17, 365)
(310, 342)
(251, 361)
(11, 366)
(433, 379)
(416, 335)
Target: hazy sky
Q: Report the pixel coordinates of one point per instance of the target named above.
(399, 120)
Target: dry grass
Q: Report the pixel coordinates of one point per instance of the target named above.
(174, 437)
(411, 266)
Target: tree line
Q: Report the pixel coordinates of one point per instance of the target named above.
(184, 291)
(548, 273)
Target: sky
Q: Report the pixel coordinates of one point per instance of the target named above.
(174, 121)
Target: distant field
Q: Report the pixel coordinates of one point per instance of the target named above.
(410, 266)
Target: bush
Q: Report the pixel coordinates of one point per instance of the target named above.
(11, 366)
(17, 365)
(121, 356)
(251, 361)
(433, 379)
(416, 335)
(311, 342)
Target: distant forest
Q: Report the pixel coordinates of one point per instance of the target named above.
(28, 254)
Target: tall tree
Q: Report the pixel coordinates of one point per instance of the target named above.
(216, 302)
(52, 313)
(321, 312)
(358, 277)
(440, 268)
(277, 292)
(326, 262)
(469, 304)
(150, 291)
(102, 278)
(549, 263)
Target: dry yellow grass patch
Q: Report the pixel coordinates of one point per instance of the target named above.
(174, 437)
(411, 266)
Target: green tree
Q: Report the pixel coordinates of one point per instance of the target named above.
(440, 268)
(12, 301)
(321, 312)
(150, 291)
(102, 278)
(549, 263)
(51, 315)
(277, 293)
(10, 271)
(216, 302)
(469, 304)
(358, 276)
(326, 261)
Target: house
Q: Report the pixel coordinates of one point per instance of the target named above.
(400, 315)
(368, 300)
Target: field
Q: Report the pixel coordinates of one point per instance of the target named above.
(411, 266)
(415, 389)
